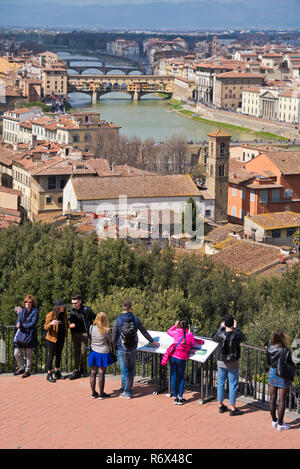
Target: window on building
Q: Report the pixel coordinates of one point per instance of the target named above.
(60, 200)
(75, 138)
(233, 211)
(276, 233)
(62, 183)
(48, 200)
(290, 231)
(51, 182)
(242, 193)
(208, 213)
(263, 195)
(252, 195)
(275, 195)
(233, 191)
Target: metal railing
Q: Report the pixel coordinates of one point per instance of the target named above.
(202, 378)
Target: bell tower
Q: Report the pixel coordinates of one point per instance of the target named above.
(218, 172)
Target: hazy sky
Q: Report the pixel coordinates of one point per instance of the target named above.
(118, 2)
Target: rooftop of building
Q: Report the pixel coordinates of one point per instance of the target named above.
(145, 186)
(276, 220)
(246, 256)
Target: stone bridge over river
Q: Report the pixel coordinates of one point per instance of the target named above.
(135, 85)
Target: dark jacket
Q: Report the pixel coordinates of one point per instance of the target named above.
(82, 318)
(28, 321)
(229, 344)
(274, 352)
(117, 327)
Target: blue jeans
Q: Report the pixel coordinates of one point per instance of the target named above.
(127, 364)
(177, 370)
(233, 377)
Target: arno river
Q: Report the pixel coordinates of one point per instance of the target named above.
(149, 117)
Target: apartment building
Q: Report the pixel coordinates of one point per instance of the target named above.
(123, 47)
(54, 81)
(272, 103)
(229, 87)
(76, 129)
(267, 183)
(12, 120)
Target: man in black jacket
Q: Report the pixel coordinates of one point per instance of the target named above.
(229, 338)
(80, 320)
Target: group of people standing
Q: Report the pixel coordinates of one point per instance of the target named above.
(83, 323)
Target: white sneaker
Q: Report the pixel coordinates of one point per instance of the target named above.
(284, 426)
(274, 424)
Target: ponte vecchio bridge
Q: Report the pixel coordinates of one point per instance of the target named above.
(135, 85)
(81, 66)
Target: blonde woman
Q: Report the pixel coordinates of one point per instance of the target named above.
(99, 356)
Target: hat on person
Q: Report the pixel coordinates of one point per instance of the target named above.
(59, 303)
(229, 320)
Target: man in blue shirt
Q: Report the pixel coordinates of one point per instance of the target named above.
(125, 340)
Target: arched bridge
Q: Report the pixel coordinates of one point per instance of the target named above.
(135, 85)
(82, 66)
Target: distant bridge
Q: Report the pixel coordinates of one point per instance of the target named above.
(135, 85)
(77, 66)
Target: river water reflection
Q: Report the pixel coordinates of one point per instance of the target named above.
(148, 118)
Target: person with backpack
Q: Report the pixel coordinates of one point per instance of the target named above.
(125, 340)
(184, 340)
(80, 320)
(229, 338)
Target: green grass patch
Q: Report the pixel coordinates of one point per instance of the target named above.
(43, 106)
(231, 126)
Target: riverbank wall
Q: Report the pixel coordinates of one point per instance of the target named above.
(241, 120)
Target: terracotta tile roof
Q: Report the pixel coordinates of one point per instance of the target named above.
(219, 133)
(6, 156)
(288, 161)
(223, 232)
(239, 75)
(247, 257)
(276, 220)
(134, 187)
(59, 165)
(238, 172)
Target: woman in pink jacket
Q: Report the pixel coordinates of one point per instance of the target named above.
(185, 341)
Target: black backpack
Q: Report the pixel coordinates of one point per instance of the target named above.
(129, 334)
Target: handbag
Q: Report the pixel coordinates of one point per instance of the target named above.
(22, 338)
(285, 369)
(169, 352)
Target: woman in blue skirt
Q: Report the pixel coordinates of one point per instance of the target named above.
(279, 346)
(99, 356)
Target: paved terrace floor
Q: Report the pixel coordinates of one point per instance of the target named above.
(36, 414)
